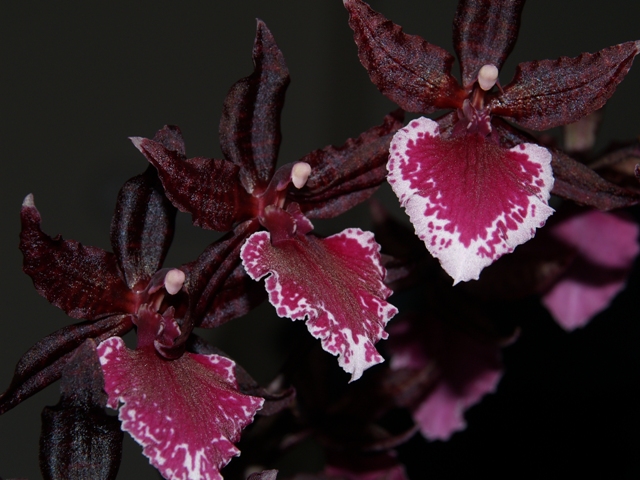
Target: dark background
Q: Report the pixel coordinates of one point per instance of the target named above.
(78, 78)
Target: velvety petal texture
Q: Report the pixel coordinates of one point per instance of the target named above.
(406, 69)
(468, 368)
(188, 427)
(470, 200)
(335, 284)
(606, 245)
(83, 281)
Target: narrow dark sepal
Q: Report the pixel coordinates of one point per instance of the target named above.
(43, 363)
(207, 275)
(83, 281)
(250, 124)
(142, 228)
(171, 137)
(577, 182)
(238, 296)
(206, 188)
(342, 177)
(484, 32)
(264, 474)
(79, 440)
(545, 94)
(406, 69)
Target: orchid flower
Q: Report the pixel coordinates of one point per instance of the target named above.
(335, 283)
(185, 409)
(473, 186)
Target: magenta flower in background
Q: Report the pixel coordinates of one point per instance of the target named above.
(605, 246)
(467, 368)
(335, 284)
(473, 186)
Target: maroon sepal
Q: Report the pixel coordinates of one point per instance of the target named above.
(208, 189)
(575, 181)
(142, 227)
(208, 275)
(548, 93)
(79, 440)
(406, 69)
(238, 296)
(250, 124)
(620, 165)
(264, 475)
(85, 282)
(274, 402)
(484, 33)
(341, 177)
(44, 362)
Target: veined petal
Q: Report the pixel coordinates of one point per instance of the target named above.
(187, 427)
(607, 246)
(470, 200)
(335, 284)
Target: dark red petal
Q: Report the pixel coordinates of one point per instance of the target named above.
(334, 284)
(484, 33)
(43, 363)
(341, 177)
(207, 275)
(189, 425)
(250, 124)
(79, 440)
(142, 228)
(405, 68)
(548, 93)
(577, 182)
(206, 188)
(85, 282)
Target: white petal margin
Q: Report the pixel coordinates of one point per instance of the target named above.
(186, 413)
(469, 200)
(334, 284)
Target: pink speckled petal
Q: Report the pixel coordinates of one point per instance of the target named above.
(607, 245)
(469, 369)
(186, 413)
(470, 200)
(335, 284)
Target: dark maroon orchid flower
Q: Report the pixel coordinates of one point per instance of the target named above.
(473, 186)
(187, 426)
(336, 283)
